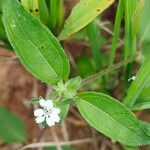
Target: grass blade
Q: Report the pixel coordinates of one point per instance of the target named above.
(92, 33)
(118, 19)
(138, 84)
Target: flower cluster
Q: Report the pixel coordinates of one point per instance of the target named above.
(47, 113)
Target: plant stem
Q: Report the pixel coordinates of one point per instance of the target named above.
(107, 70)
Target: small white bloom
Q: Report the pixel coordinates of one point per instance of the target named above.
(48, 113)
(133, 78)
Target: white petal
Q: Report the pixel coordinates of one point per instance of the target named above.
(56, 118)
(49, 104)
(38, 112)
(55, 111)
(40, 119)
(42, 102)
(50, 121)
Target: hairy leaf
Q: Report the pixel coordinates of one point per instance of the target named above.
(36, 47)
(112, 119)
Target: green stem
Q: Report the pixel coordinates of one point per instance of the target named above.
(107, 70)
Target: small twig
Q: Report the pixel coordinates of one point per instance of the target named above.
(95, 143)
(48, 92)
(65, 132)
(49, 144)
(55, 138)
(107, 70)
(6, 59)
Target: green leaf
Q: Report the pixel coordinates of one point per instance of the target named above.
(145, 22)
(111, 118)
(85, 66)
(138, 84)
(82, 14)
(146, 127)
(93, 35)
(61, 12)
(44, 12)
(144, 29)
(65, 101)
(145, 93)
(137, 17)
(11, 127)
(34, 100)
(118, 19)
(2, 31)
(36, 47)
(141, 106)
(64, 111)
(53, 13)
(74, 83)
(31, 6)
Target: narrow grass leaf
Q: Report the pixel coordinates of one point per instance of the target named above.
(53, 13)
(61, 12)
(137, 17)
(138, 84)
(141, 106)
(119, 16)
(93, 36)
(44, 12)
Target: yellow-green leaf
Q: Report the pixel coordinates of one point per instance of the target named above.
(82, 14)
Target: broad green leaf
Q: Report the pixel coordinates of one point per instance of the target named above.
(2, 31)
(146, 127)
(82, 14)
(36, 47)
(11, 127)
(111, 118)
(138, 84)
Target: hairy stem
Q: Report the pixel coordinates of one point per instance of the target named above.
(107, 70)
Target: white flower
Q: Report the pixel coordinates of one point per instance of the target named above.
(48, 113)
(133, 78)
